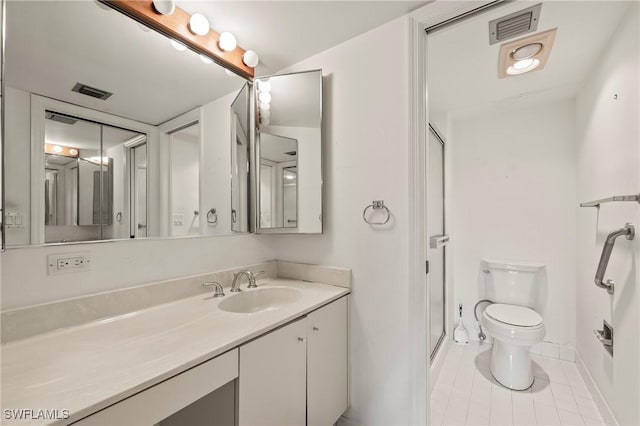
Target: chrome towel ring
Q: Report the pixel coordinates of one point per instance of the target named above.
(376, 205)
(212, 216)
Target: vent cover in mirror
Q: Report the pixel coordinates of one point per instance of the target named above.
(91, 91)
(522, 22)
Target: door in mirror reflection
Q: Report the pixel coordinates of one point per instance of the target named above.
(240, 152)
(278, 191)
(184, 152)
(87, 183)
(289, 146)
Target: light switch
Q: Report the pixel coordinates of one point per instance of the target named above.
(8, 219)
(18, 219)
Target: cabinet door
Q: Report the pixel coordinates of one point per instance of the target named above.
(272, 378)
(327, 364)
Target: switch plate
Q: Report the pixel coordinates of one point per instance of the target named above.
(68, 262)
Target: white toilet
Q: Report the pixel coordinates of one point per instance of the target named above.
(511, 321)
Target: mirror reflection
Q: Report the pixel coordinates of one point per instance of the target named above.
(278, 189)
(92, 147)
(289, 139)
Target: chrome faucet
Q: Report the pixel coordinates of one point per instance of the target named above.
(235, 286)
(219, 291)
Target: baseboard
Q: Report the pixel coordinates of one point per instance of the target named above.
(601, 403)
(436, 365)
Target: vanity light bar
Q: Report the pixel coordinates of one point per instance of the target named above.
(176, 27)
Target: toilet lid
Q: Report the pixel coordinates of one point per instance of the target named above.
(514, 315)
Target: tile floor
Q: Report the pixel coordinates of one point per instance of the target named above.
(466, 394)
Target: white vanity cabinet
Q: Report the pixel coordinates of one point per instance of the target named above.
(327, 364)
(297, 374)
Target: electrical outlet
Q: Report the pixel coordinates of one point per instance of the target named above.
(68, 262)
(178, 219)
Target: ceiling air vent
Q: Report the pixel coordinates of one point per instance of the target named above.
(515, 24)
(60, 118)
(91, 91)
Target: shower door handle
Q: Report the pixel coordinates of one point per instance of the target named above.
(437, 241)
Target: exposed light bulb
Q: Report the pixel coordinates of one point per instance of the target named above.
(178, 46)
(265, 114)
(264, 86)
(198, 24)
(265, 97)
(206, 60)
(73, 151)
(227, 41)
(265, 106)
(164, 7)
(57, 148)
(250, 59)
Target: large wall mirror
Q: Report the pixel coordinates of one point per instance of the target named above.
(113, 131)
(289, 153)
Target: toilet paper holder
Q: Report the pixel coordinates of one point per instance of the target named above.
(605, 336)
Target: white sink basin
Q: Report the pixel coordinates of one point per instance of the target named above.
(260, 299)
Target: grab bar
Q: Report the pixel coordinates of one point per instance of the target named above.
(629, 232)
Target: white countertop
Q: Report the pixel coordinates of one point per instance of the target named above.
(88, 367)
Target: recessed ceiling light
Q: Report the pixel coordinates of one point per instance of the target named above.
(523, 66)
(526, 54)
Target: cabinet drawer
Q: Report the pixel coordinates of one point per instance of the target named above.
(162, 400)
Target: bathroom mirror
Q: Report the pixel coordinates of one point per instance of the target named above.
(289, 153)
(240, 155)
(107, 124)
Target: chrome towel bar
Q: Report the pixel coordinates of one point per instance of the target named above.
(629, 232)
(596, 203)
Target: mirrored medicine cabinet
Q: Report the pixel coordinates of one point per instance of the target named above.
(111, 130)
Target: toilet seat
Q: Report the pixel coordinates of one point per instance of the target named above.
(514, 315)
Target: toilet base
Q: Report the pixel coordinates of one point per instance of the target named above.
(511, 365)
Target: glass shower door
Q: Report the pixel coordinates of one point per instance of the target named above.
(437, 240)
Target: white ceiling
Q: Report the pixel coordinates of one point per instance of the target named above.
(274, 148)
(463, 67)
(51, 45)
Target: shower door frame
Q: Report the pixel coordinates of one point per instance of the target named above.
(434, 13)
(434, 350)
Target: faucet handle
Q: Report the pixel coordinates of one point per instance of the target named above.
(219, 291)
(252, 283)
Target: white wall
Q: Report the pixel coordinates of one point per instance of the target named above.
(17, 146)
(513, 197)
(366, 157)
(121, 264)
(609, 164)
(216, 163)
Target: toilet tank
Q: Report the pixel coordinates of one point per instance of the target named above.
(514, 283)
